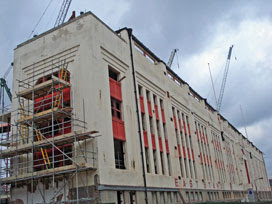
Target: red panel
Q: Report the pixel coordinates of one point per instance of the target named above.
(149, 108)
(142, 104)
(45, 103)
(179, 150)
(118, 127)
(175, 122)
(188, 152)
(184, 152)
(163, 116)
(156, 112)
(160, 144)
(203, 137)
(145, 139)
(167, 146)
(189, 129)
(115, 89)
(207, 139)
(193, 156)
(184, 127)
(153, 141)
(201, 160)
(180, 127)
(58, 158)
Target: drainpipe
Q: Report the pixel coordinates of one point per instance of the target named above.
(129, 30)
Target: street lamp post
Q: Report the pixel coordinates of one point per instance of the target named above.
(256, 187)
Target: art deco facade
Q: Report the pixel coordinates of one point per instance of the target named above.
(98, 118)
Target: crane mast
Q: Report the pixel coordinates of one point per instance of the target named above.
(221, 93)
(171, 58)
(63, 12)
(3, 83)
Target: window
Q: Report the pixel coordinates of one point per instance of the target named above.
(155, 161)
(175, 197)
(169, 198)
(192, 196)
(119, 154)
(169, 165)
(162, 198)
(162, 164)
(132, 196)
(147, 160)
(116, 108)
(200, 196)
(154, 198)
(196, 196)
(151, 125)
(120, 197)
(143, 121)
(188, 196)
(140, 90)
(181, 168)
(113, 74)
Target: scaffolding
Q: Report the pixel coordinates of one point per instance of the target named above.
(47, 142)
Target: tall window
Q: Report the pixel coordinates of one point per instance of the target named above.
(118, 125)
(119, 154)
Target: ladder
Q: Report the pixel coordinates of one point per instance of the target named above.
(46, 159)
(58, 98)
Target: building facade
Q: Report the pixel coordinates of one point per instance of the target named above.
(97, 117)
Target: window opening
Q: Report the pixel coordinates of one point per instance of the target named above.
(113, 74)
(132, 196)
(120, 197)
(119, 154)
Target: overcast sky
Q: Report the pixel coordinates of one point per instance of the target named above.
(202, 30)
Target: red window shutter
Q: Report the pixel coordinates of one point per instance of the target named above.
(153, 141)
(184, 152)
(142, 104)
(115, 89)
(175, 122)
(118, 127)
(167, 146)
(149, 108)
(160, 144)
(189, 129)
(145, 139)
(156, 112)
(179, 150)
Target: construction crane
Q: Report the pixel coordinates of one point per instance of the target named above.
(3, 84)
(63, 12)
(221, 93)
(171, 58)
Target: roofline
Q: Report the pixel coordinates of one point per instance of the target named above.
(64, 24)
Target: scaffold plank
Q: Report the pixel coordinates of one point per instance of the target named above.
(41, 89)
(68, 138)
(48, 173)
(44, 115)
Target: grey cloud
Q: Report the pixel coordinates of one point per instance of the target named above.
(187, 25)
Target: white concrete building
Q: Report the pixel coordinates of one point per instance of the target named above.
(122, 125)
